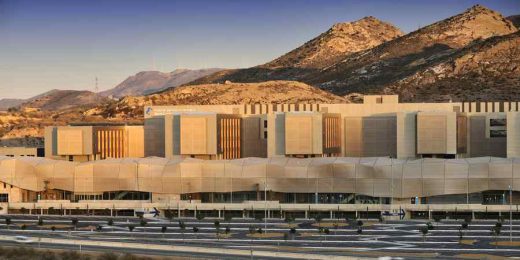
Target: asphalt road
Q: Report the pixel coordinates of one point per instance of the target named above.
(390, 238)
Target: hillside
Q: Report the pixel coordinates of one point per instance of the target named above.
(380, 68)
(515, 19)
(147, 82)
(220, 94)
(324, 50)
(340, 40)
(489, 70)
(7, 103)
(370, 71)
(55, 100)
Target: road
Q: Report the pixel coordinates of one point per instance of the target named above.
(389, 238)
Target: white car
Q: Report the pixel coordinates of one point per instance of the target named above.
(23, 239)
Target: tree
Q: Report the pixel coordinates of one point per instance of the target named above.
(7, 222)
(195, 230)
(359, 230)
(75, 223)
(217, 226)
(464, 225)
(498, 225)
(143, 224)
(200, 217)
(430, 225)
(182, 227)
(110, 222)
(228, 230)
(23, 227)
(259, 230)
(359, 223)
(495, 232)
(461, 234)
(40, 222)
(424, 230)
(326, 231)
(131, 229)
(53, 228)
(163, 230)
(293, 232)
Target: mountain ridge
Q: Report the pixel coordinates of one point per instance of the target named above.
(147, 82)
(488, 70)
(370, 71)
(63, 100)
(319, 52)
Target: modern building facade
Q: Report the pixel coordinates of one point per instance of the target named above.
(381, 126)
(381, 154)
(93, 142)
(206, 135)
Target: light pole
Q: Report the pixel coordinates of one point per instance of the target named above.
(510, 213)
(265, 206)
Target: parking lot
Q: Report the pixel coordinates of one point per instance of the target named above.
(338, 237)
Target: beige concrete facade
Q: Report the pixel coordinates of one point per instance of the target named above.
(205, 135)
(381, 126)
(377, 150)
(87, 143)
(303, 134)
(374, 177)
(436, 133)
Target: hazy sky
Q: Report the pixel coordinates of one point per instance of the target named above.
(47, 44)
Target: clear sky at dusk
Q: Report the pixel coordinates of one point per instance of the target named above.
(66, 44)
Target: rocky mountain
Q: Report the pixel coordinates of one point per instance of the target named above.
(370, 71)
(384, 67)
(220, 94)
(325, 50)
(55, 100)
(147, 82)
(515, 19)
(488, 70)
(340, 40)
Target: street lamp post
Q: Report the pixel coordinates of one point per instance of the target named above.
(265, 206)
(510, 213)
